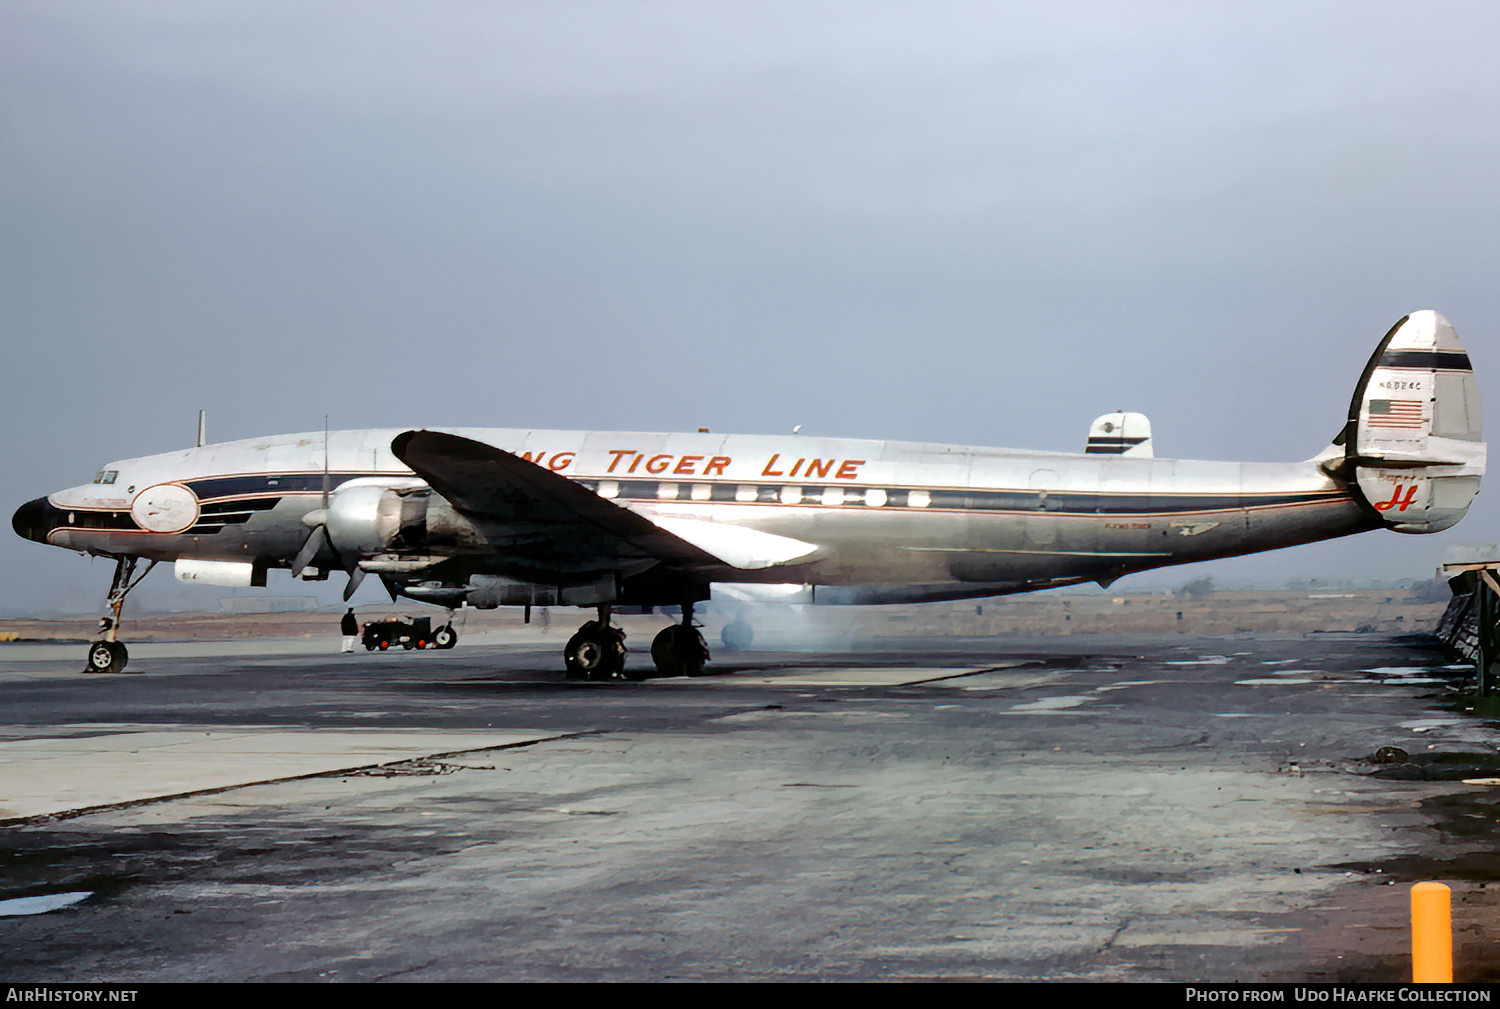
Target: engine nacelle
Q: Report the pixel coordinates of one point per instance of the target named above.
(380, 517)
(364, 519)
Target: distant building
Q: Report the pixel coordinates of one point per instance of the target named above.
(268, 604)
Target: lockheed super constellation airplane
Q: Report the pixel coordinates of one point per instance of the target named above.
(491, 518)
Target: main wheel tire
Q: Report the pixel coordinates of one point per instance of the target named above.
(595, 653)
(737, 635)
(444, 637)
(664, 652)
(679, 650)
(107, 657)
(584, 656)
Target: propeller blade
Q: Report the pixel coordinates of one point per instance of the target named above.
(390, 586)
(315, 542)
(355, 577)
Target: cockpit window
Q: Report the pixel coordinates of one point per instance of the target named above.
(106, 476)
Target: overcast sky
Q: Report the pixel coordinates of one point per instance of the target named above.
(981, 223)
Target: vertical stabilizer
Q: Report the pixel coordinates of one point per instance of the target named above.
(1413, 443)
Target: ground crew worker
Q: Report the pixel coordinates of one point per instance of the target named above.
(350, 626)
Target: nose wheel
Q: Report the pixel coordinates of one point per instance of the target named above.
(107, 657)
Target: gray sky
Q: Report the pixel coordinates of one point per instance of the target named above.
(982, 223)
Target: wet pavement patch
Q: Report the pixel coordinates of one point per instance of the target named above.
(42, 903)
(1433, 766)
(1470, 863)
(252, 847)
(32, 861)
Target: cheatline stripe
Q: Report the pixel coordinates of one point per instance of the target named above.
(214, 488)
(1435, 360)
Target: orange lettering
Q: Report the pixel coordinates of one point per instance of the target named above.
(686, 463)
(846, 471)
(536, 457)
(560, 461)
(819, 467)
(768, 471)
(658, 463)
(797, 467)
(635, 462)
(618, 453)
(1397, 501)
(716, 466)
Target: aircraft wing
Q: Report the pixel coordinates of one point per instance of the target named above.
(547, 523)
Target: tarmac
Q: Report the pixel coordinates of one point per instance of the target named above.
(1109, 808)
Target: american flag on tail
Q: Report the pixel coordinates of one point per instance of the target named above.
(1401, 413)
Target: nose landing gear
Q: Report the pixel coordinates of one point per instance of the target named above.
(108, 654)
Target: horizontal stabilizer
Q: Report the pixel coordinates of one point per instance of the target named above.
(1120, 433)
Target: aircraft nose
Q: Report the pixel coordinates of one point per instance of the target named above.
(35, 519)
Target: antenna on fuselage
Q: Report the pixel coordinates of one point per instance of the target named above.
(202, 428)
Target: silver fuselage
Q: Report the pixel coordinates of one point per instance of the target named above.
(893, 521)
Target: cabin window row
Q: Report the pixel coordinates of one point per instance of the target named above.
(870, 497)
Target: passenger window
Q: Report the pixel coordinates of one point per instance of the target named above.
(875, 497)
(791, 495)
(919, 499)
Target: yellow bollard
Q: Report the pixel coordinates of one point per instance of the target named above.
(1431, 934)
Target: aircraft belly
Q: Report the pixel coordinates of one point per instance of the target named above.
(1273, 528)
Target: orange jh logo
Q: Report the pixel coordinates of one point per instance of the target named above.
(1397, 501)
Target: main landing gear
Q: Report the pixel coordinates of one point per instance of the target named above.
(108, 654)
(679, 649)
(597, 651)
